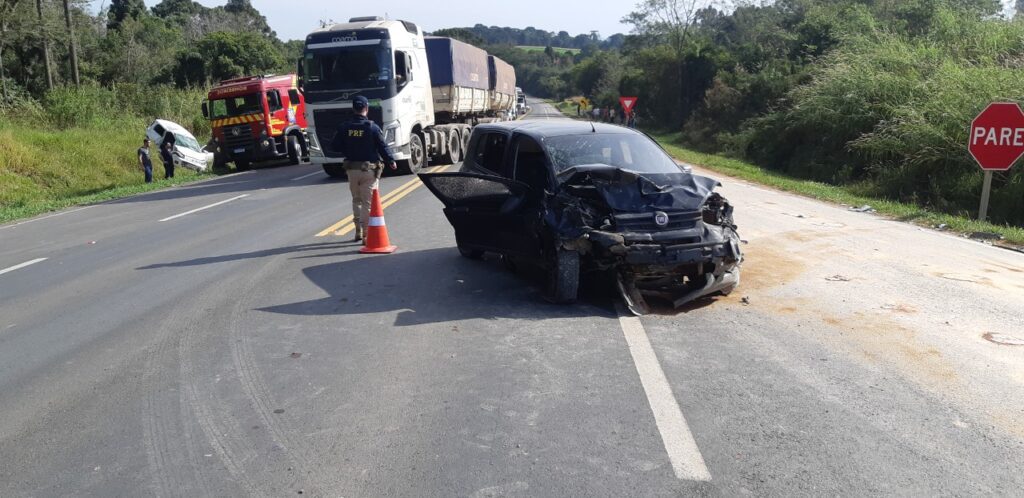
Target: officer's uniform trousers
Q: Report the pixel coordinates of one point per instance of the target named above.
(362, 179)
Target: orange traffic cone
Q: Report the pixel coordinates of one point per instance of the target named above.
(376, 232)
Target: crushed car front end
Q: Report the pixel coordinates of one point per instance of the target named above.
(668, 237)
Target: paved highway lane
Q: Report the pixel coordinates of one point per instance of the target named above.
(233, 351)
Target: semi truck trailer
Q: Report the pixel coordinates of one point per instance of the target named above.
(426, 93)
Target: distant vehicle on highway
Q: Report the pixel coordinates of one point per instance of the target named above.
(521, 107)
(187, 152)
(575, 196)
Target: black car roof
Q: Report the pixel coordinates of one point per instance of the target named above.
(556, 127)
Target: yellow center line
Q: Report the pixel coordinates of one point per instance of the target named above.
(346, 225)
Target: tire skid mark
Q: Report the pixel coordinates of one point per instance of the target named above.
(261, 398)
(155, 437)
(232, 458)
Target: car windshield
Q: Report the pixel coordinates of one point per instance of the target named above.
(235, 106)
(348, 68)
(187, 142)
(628, 151)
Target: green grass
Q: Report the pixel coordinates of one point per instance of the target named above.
(559, 50)
(39, 206)
(44, 168)
(821, 191)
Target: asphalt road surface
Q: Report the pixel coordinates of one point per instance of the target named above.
(149, 347)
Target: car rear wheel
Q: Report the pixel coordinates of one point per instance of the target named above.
(563, 276)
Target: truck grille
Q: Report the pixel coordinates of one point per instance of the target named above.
(327, 122)
(243, 139)
(644, 222)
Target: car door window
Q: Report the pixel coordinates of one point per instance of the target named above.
(489, 153)
(529, 165)
(293, 97)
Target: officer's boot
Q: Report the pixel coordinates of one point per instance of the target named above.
(359, 232)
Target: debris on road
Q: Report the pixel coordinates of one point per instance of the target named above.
(941, 226)
(745, 301)
(837, 278)
(863, 209)
(1003, 340)
(296, 355)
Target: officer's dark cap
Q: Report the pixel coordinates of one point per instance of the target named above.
(359, 103)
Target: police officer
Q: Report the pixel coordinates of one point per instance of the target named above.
(361, 142)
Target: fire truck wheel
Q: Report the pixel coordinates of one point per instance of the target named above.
(294, 150)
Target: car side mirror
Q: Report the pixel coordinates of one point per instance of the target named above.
(206, 110)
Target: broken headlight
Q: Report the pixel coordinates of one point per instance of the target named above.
(717, 211)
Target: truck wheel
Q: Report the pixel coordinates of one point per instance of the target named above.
(454, 153)
(563, 276)
(464, 133)
(242, 165)
(294, 150)
(417, 156)
(334, 170)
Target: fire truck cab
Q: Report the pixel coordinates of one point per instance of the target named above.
(257, 118)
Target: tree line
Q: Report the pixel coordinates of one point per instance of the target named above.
(48, 43)
(875, 94)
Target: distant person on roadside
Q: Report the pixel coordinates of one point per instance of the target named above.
(579, 109)
(145, 162)
(611, 115)
(168, 157)
(361, 142)
(631, 121)
(597, 113)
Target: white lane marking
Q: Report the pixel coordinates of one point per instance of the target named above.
(306, 176)
(54, 215)
(196, 210)
(682, 449)
(18, 267)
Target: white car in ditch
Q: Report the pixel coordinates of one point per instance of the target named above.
(186, 149)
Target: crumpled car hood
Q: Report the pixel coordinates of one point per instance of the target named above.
(631, 192)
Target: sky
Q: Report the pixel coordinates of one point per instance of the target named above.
(574, 16)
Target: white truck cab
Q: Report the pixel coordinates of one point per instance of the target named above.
(382, 60)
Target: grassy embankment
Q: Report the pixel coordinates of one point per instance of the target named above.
(79, 147)
(839, 194)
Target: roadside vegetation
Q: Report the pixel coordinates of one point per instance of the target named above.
(70, 128)
(872, 95)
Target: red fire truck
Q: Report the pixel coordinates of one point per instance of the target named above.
(257, 118)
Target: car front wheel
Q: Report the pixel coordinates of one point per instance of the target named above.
(563, 276)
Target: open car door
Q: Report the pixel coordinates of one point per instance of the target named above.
(488, 213)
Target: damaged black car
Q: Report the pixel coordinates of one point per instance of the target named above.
(586, 197)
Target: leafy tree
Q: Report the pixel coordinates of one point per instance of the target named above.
(120, 10)
(223, 55)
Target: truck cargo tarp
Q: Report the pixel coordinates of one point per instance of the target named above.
(455, 63)
(503, 75)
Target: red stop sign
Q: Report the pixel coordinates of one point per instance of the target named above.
(997, 136)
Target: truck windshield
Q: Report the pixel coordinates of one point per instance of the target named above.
(357, 68)
(235, 106)
(628, 151)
